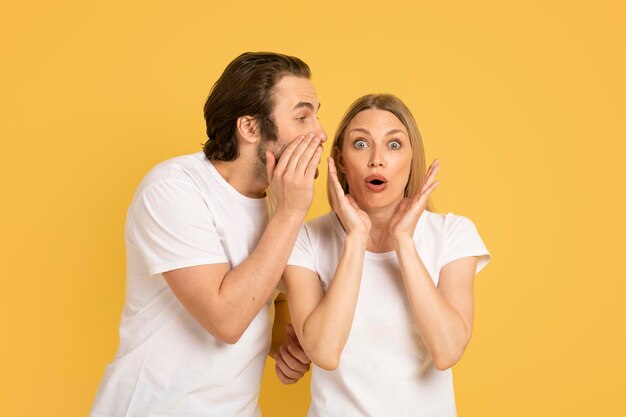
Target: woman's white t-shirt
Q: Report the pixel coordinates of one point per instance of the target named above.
(385, 369)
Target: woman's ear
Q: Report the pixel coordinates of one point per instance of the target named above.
(248, 129)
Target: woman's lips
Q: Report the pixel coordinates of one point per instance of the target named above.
(376, 183)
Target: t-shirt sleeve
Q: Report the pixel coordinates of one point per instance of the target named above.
(303, 254)
(462, 240)
(173, 228)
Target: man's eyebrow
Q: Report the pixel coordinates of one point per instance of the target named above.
(307, 105)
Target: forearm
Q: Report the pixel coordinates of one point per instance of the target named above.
(247, 287)
(442, 328)
(281, 319)
(326, 330)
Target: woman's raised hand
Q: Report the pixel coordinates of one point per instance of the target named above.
(409, 211)
(353, 219)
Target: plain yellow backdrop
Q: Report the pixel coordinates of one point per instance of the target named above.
(523, 102)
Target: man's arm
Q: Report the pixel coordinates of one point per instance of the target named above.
(291, 361)
(225, 301)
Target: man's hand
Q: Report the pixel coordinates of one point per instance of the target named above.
(291, 361)
(291, 178)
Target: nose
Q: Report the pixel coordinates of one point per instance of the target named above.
(319, 131)
(376, 158)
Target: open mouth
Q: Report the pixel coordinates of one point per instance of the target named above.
(376, 182)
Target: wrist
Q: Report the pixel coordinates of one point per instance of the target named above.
(289, 217)
(357, 239)
(402, 239)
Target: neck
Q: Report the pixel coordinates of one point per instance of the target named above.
(380, 239)
(245, 174)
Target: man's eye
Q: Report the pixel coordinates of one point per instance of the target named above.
(301, 119)
(394, 144)
(360, 144)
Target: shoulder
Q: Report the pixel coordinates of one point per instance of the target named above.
(170, 185)
(444, 224)
(323, 226)
(179, 169)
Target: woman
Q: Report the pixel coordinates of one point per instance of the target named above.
(381, 290)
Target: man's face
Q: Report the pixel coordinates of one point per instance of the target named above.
(295, 113)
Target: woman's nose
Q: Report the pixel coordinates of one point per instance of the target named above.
(376, 159)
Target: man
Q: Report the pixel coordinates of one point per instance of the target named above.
(205, 251)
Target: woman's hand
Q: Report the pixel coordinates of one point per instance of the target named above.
(409, 211)
(353, 219)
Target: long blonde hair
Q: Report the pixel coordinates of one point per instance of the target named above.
(394, 105)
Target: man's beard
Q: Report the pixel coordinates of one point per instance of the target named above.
(277, 151)
(264, 146)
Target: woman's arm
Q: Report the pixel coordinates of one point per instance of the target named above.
(322, 321)
(443, 315)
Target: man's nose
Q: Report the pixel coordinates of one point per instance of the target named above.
(319, 131)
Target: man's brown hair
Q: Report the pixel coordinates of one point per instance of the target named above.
(245, 89)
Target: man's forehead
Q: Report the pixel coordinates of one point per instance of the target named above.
(296, 92)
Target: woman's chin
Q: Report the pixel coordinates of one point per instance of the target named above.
(378, 201)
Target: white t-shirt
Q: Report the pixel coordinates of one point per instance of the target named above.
(183, 214)
(385, 369)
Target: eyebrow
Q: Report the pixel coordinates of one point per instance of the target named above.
(307, 105)
(367, 132)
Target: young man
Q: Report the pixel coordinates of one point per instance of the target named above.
(205, 251)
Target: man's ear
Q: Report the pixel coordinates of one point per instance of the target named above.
(248, 129)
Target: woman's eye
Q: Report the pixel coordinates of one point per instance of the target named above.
(394, 144)
(360, 144)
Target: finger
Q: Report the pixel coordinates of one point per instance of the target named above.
(430, 170)
(430, 189)
(332, 172)
(331, 166)
(430, 178)
(353, 202)
(270, 165)
(299, 354)
(292, 165)
(282, 377)
(291, 332)
(291, 360)
(307, 155)
(424, 195)
(283, 162)
(286, 369)
(311, 168)
(332, 190)
(404, 204)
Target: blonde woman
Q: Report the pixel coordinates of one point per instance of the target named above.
(380, 289)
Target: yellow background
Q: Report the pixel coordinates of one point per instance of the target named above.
(522, 102)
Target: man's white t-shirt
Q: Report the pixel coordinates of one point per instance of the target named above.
(385, 369)
(184, 214)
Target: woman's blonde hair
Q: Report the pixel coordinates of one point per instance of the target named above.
(394, 105)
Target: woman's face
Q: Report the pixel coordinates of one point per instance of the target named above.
(376, 158)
